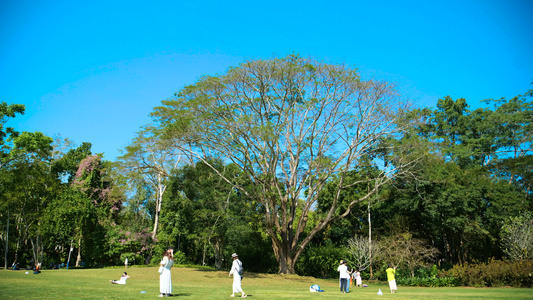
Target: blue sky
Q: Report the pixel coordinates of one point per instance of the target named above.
(92, 71)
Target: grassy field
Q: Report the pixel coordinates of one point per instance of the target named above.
(190, 283)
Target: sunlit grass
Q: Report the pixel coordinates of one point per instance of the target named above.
(191, 283)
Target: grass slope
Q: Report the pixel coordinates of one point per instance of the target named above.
(190, 283)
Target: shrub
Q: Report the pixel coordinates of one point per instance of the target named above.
(320, 261)
(428, 281)
(495, 273)
(179, 259)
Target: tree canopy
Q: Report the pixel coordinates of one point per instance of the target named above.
(293, 163)
(289, 124)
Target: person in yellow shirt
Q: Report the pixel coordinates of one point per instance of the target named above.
(390, 277)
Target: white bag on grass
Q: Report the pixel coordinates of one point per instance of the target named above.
(315, 288)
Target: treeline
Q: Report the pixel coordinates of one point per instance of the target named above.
(292, 163)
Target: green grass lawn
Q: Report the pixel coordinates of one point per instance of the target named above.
(190, 283)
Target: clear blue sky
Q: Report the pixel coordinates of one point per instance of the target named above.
(92, 71)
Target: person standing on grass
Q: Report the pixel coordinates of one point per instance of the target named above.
(236, 270)
(391, 272)
(344, 276)
(165, 278)
(358, 279)
(348, 280)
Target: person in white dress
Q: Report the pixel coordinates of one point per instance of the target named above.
(165, 278)
(236, 270)
(358, 279)
(122, 279)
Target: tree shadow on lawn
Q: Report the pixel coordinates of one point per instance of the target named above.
(246, 274)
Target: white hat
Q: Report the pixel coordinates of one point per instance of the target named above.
(234, 255)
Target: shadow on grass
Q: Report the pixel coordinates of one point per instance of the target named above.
(254, 275)
(246, 275)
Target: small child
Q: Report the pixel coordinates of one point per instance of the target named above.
(358, 279)
(122, 279)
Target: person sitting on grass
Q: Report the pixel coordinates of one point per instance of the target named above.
(122, 279)
(37, 269)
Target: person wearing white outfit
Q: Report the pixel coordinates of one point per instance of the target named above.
(165, 278)
(122, 279)
(344, 275)
(358, 279)
(236, 270)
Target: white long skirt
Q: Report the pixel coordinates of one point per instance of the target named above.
(392, 285)
(165, 282)
(237, 283)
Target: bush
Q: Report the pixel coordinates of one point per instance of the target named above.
(431, 277)
(428, 281)
(380, 272)
(321, 261)
(495, 273)
(179, 259)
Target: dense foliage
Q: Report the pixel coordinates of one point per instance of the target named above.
(447, 187)
(494, 274)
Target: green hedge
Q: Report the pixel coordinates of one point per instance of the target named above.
(493, 274)
(428, 281)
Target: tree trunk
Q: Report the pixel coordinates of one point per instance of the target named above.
(148, 259)
(203, 253)
(160, 191)
(78, 259)
(218, 246)
(33, 252)
(69, 253)
(42, 251)
(156, 219)
(17, 249)
(285, 261)
(447, 250)
(7, 240)
(286, 264)
(370, 240)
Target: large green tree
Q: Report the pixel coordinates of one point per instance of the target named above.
(7, 111)
(468, 186)
(150, 160)
(30, 183)
(289, 124)
(95, 189)
(512, 122)
(207, 205)
(208, 219)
